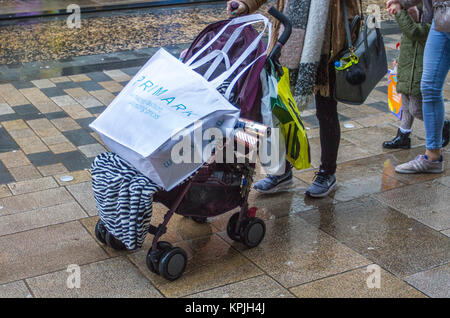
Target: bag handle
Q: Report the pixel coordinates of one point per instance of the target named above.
(249, 19)
(209, 57)
(237, 77)
(349, 37)
(347, 26)
(226, 48)
(221, 78)
(243, 19)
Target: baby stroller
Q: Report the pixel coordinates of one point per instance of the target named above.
(214, 189)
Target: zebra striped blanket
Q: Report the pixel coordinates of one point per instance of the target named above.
(124, 198)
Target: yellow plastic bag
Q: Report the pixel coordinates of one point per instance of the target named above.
(292, 128)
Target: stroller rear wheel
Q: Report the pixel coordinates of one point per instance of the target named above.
(254, 231)
(173, 263)
(111, 241)
(251, 231)
(100, 232)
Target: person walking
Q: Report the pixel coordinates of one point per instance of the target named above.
(436, 64)
(317, 38)
(410, 64)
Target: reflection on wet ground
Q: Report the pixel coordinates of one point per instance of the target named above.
(313, 248)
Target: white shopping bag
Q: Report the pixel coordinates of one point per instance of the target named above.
(272, 163)
(164, 100)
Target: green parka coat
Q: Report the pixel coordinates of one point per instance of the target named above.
(412, 46)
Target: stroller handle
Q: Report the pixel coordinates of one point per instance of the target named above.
(276, 51)
(285, 22)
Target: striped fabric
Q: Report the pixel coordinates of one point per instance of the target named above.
(124, 198)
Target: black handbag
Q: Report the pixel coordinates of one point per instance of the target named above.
(354, 83)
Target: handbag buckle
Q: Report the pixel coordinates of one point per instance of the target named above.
(347, 61)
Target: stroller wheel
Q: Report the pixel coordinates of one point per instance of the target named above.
(254, 231)
(111, 241)
(231, 227)
(100, 232)
(153, 256)
(163, 246)
(173, 263)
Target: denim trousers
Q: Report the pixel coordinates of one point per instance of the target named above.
(436, 63)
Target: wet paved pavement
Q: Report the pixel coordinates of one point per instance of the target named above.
(313, 248)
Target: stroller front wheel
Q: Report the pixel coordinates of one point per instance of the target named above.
(173, 263)
(153, 257)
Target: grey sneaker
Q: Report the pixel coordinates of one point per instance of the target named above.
(273, 184)
(323, 184)
(421, 164)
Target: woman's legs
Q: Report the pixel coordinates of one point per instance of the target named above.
(330, 132)
(330, 137)
(435, 69)
(436, 63)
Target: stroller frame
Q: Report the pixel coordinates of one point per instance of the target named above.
(243, 226)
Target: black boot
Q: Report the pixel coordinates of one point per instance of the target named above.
(400, 141)
(446, 133)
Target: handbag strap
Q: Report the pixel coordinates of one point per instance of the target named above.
(347, 26)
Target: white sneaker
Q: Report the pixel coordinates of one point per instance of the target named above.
(421, 164)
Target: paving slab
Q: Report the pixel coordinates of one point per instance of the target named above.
(34, 200)
(32, 185)
(29, 220)
(14, 159)
(211, 263)
(44, 250)
(426, 202)
(4, 191)
(113, 278)
(16, 289)
(82, 192)
(257, 287)
(434, 282)
(400, 244)
(354, 284)
(294, 252)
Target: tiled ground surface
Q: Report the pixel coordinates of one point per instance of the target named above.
(313, 248)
